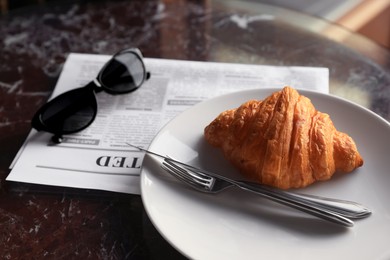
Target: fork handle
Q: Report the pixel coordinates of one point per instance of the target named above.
(345, 208)
(311, 208)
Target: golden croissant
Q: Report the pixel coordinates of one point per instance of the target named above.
(283, 141)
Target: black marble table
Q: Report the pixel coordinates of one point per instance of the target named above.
(38, 222)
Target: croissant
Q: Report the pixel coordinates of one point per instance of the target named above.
(283, 141)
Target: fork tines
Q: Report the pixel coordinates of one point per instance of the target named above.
(186, 174)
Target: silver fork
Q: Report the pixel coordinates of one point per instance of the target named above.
(212, 183)
(204, 182)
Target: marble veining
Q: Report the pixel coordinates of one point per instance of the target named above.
(52, 222)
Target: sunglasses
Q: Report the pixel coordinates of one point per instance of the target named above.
(76, 109)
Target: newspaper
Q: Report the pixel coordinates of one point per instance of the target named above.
(98, 157)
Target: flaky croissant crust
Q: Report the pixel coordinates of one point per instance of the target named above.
(283, 141)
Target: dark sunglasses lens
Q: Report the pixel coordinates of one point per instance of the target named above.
(124, 73)
(69, 112)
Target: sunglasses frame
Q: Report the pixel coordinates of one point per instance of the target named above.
(98, 80)
(93, 87)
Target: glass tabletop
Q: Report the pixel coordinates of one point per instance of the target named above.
(358, 67)
(42, 221)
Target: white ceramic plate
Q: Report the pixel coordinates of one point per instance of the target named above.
(238, 225)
